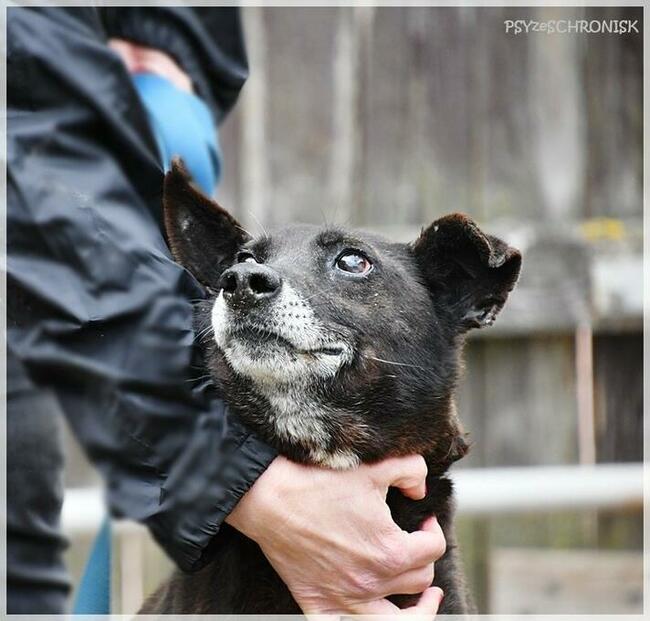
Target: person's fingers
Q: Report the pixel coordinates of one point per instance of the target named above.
(424, 546)
(139, 58)
(426, 608)
(432, 526)
(408, 474)
(378, 607)
(411, 582)
(428, 604)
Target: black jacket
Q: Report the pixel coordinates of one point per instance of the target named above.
(97, 309)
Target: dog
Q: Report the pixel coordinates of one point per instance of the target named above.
(337, 348)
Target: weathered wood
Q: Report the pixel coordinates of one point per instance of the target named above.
(300, 82)
(528, 581)
(618, 365)
(450, 113)
(611, 66)
(518, 401)
(254, 166)
(474, 537)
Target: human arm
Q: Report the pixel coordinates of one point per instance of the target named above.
(97, 309)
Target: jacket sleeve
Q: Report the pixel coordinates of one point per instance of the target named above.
(207, 42)
(97, 309)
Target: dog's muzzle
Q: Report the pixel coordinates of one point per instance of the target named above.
(269, 332)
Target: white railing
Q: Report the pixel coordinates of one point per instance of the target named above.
(549, 488)
(480, 491)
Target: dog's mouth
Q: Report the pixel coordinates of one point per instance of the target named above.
(260, 336)
(278, 345)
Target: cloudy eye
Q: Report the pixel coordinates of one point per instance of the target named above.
(353, 263)
(246, 257)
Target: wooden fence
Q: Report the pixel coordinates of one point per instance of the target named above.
(393, 116)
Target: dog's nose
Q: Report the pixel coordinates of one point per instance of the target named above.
(250, 282)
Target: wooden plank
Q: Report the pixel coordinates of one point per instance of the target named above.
(474, 536)
(517, 405)
(529, 581)
(345, 140)
(557, 138)
(523, 395)
(301, 48)
(349, 153)
(618, 365)
(253, 164)
(613, 108)
(228, 193)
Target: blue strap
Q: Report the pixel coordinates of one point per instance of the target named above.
(94, 594)
(183, 126)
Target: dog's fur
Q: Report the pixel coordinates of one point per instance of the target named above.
(334, 368)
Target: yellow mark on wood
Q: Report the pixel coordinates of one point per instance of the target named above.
(603, 228)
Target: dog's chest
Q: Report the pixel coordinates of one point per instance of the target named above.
(300, 419)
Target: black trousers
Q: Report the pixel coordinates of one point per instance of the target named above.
(37, 581)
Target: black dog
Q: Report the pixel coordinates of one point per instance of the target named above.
(336, 347)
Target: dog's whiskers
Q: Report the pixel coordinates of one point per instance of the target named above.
(203, 333)
(241, 228)
(258, 223)
(206, 328)
(313, 295)
(323, 216)
(397, 364)
(198, 379)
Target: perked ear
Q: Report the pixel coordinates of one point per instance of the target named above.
(470, 272)
(203, 237)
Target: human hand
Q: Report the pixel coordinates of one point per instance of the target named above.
(141, 59)
(330, 536)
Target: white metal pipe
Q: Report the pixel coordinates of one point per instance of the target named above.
(479, 491)
(548, 488)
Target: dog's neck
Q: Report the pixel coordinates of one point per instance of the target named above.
(300, 418)
(307, 426)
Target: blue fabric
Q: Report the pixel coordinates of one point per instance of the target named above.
(183, 126)
(94, 595)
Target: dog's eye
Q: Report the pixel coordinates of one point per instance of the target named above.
(354, 263)
(246, 257)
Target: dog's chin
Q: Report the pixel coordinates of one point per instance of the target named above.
(269, 358)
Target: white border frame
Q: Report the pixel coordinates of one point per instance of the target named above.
(4, 4)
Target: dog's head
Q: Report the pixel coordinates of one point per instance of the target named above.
(338, 346)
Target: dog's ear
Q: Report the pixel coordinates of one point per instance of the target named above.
(203, 237)
(470, 272)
